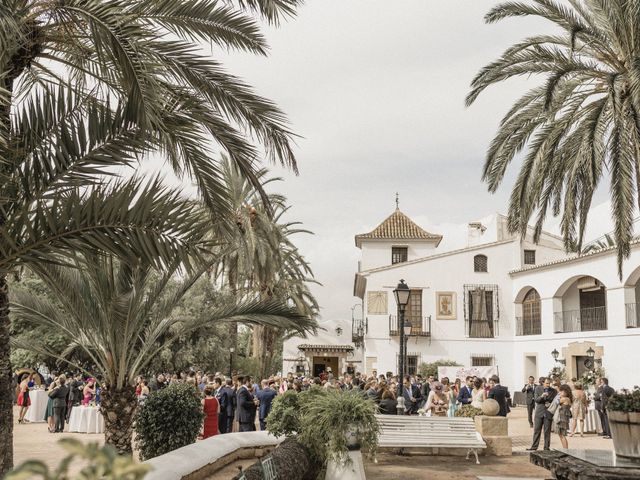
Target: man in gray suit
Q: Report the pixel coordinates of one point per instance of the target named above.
(542, 419)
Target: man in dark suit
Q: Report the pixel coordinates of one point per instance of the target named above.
(543, 396)
(528, 391)
(500, 394)
(465, 397)
(601, 398)
(226, 397)
(266, 395)
(247, 405)
(59, 396)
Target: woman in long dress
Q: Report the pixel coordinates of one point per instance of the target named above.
(477, 394)
(578, 409)
(437, 402)
(211, 408)
(451, 396)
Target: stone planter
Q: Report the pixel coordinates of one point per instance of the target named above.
(625, 430)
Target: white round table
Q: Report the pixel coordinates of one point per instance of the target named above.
(592, 423)
(38, 408)
(86, 420)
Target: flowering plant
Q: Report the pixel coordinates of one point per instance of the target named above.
(589, 377)
(558, 373)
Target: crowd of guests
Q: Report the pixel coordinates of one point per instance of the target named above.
(64, 392)
(229, 404)
(554, 405)
(431, 397)
(238, 403)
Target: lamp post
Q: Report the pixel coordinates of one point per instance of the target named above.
(231, 350)
(402, 294)
(591, 353)
(555, 354)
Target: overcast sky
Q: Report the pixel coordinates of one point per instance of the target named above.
(376, 90)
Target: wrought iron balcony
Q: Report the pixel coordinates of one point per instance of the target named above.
(481, 328)
(528, 326)
(420, 326)
(633, 315)
(583, 320)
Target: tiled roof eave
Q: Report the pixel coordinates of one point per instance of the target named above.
(573, 258)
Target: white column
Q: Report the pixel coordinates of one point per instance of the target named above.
(616, 313)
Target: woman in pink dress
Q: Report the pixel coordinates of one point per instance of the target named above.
(211, 408)
(89, 392)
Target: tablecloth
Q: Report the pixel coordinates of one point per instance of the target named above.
(86, 420)
(592, 422)
(38, 408)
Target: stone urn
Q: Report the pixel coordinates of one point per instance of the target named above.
(625, 430)
(490, 407)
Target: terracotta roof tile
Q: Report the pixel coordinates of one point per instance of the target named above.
(397, 226)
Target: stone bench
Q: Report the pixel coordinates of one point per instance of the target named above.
(201, 459)
(399, 431)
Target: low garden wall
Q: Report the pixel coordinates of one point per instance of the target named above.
(203, 458)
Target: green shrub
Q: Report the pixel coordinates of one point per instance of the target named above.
(102, 463)
(327, 419)
(468, 411)
(170, 418)
(625, 401)
(288, 409)
(426, 369)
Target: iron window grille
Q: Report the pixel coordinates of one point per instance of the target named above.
(529, 257)
(480, 263)
(475, 326)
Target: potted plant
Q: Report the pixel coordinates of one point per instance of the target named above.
(337, 422)
(624, 420)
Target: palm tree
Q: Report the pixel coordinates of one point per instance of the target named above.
(120, 315)
(580, 125)
(264, 259)
(86, 86)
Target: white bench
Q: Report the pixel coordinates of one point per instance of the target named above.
(400, 431)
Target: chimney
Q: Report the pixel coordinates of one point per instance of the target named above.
(475, 231)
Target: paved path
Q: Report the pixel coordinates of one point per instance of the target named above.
(34, 441)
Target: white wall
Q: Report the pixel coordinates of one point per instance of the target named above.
(377, 253)
(621, 352)
(445, 272)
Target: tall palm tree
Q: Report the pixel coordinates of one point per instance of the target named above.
(89, 85)
(580, 125)
(120, 315)
(263, 258)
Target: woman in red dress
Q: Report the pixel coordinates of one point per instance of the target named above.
(211, 408)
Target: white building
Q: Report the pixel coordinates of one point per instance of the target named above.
(501, 301)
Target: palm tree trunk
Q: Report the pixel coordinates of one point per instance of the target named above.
(118, 407)
(6, 390)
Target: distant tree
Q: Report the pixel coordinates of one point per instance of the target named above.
(120, 315)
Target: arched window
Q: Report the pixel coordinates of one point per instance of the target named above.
(480, 263)
(531, 319)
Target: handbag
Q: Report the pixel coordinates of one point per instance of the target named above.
(552, 408)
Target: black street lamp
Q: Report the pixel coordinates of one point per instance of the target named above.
(402, 294)
(591, 352)
(555, 353)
